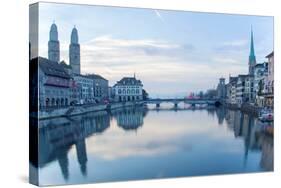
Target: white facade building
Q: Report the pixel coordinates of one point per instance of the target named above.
(232, 90)
(259, 82)
(85, 89)
(245, 89)
(128, 89)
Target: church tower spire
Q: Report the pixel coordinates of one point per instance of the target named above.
(53, 44)
(74, 52)
(252, 56)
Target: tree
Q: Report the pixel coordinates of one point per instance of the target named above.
(144, 94)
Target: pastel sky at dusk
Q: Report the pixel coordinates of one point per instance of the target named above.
(172, 52)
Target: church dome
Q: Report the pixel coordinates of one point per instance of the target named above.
(54, 32)
(74, 36)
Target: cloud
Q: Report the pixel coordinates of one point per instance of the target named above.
(117, 57)
(234, 47)
(240, 42)
(164, 67)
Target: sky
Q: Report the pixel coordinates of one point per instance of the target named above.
(172, 52)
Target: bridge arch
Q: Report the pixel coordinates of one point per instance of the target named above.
(217, 103)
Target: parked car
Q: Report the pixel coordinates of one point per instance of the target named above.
(266, 115)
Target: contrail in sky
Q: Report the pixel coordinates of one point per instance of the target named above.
(159, 15)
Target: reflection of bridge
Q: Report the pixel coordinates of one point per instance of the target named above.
(176, 101)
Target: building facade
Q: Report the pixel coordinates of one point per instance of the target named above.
(259, 82)
(249, 95)
(100, 87)
(240, 89)
(54, 84)
(232, 90)
(84, 89)
(245, 89)
(269, 82)
(128, 89)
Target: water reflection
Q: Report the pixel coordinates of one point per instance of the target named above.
(129, 118)
(97, 140)
(57, 136)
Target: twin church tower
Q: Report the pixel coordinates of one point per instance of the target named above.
(74, 48)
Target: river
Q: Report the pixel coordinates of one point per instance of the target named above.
(144, 143)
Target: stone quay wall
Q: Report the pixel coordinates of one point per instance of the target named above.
(78, 110)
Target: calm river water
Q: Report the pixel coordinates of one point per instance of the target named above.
(140, 143)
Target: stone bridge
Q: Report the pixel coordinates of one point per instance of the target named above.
(176, 101)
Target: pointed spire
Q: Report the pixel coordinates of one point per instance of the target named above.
(252, 43)
(252, 57)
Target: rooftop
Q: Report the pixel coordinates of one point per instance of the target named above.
(270, 55)
(129, 81)
(64, 65)
(95, 76)
(51, 68)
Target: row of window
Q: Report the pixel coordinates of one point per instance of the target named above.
(51, 102)
(129, 91)
(129, 87)
(55, 92)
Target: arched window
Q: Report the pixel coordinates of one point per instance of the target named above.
(128, 91)
(66, 101)
(133, 91)
(53, 102)
(57, 102)
(124, 91)
(119, 91)
(47, 101)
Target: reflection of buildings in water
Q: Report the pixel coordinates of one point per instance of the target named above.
(211, 111)
(267, 159)
(130, 118)
(244, 126)
(63, 162)
(56, 136)
(221, 114)
(82, 155)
